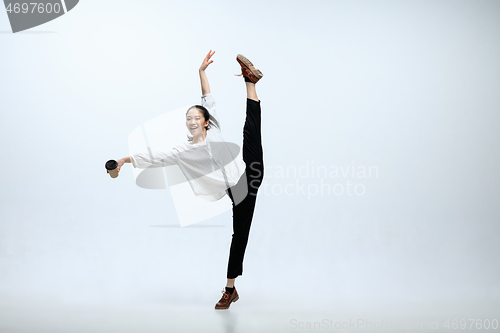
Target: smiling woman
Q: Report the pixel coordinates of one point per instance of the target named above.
(214, 168)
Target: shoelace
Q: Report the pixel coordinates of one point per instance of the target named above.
(225, 295)
(243, 72)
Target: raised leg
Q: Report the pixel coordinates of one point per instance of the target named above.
(243, 211)
(252, 141)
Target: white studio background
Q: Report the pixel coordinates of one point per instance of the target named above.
(408, 88)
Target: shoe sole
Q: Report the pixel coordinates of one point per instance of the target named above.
(227, 307)
(248, 64)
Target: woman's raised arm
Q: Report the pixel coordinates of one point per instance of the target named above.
(205, 87)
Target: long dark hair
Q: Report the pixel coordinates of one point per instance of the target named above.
(207, 116)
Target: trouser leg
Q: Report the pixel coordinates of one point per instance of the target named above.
(252, 146)
(243, 211)
(242, 220)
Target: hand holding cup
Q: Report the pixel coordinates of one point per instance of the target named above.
(113, 167)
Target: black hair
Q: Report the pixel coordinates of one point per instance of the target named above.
(207, 116)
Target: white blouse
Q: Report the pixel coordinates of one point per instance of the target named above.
(210, 167)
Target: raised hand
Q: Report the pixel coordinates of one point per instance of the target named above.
(207, 60)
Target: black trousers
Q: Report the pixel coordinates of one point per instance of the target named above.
(252, 178)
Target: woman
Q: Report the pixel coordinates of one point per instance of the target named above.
(212, 168)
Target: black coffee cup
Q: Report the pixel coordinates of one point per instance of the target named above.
(112, 167)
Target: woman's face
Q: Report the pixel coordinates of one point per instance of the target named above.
(195, 122)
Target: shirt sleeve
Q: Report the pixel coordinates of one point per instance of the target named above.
(208, 102)
(155, 159)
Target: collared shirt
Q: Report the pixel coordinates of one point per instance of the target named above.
(210, 167)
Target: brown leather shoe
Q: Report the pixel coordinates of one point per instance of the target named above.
(226, 300)
(247, 69)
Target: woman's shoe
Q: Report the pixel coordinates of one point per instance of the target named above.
(247, 69)
(227, 299)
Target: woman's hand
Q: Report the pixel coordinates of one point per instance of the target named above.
(120, 162)
(207, 61)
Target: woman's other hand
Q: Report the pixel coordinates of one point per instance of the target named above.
(120, 162)
(207, 60)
